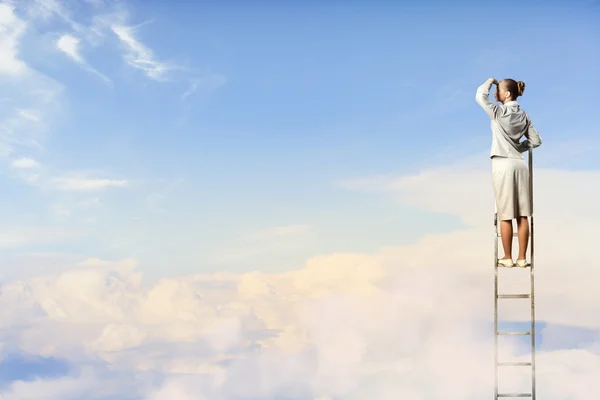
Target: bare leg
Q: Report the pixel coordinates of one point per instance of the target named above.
(523, 230)
(506, 231)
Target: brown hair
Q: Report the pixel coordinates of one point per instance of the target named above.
(515, 88)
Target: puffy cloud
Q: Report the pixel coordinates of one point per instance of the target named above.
(347, 326)
(565, 220)
(403, 322)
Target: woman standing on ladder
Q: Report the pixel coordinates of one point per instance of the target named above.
(510, 175)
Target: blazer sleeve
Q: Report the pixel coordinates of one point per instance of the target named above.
(482, 97)
(533, 138)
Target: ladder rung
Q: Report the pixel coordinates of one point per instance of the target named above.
(514, 333)
(515, 234)
(514, 364)
(515, 266)
(514, 296)
(514, 394)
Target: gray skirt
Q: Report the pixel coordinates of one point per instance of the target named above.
(510, 179)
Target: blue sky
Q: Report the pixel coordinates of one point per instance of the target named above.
(253, 200)
(246, 116)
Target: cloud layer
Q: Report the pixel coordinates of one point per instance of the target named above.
(410, 322)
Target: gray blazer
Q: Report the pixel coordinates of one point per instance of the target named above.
(509, 124)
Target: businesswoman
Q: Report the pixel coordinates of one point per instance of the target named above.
(510, 174)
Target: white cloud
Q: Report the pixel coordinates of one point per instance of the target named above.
(11, 29)
(26, 128)
(344, 324)
(562, 199)
(80, 184)
(25, 163)
(69, 45)
(348, 326)
(31, 98)
(28, 115)
(138, 55)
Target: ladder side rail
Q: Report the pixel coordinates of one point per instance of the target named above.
(531, 278)
(495, 304)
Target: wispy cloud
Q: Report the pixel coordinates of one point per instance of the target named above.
(138, 55)
(47, 9)
(81, 184)
(17, 130)
(68, 44)
(26, 128)
(194, 85)
(80, 212)
(31, 98)
(27, 169)
(206, 84)
(11, 29)
(25, 163)
(28, 115)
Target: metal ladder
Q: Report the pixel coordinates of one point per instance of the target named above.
(529, 295)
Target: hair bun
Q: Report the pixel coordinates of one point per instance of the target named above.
(520, 88)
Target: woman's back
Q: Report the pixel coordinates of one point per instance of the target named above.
(509, 124)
